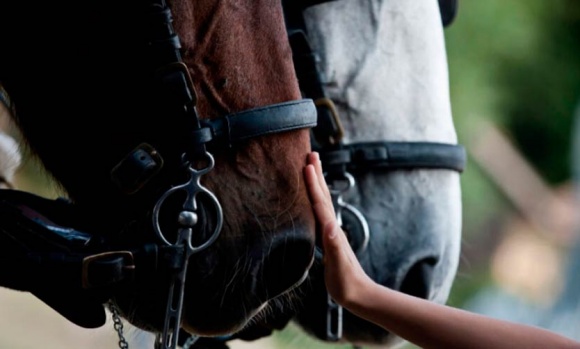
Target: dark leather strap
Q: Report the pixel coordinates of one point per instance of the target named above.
(56, 254)
(396, 156)
(327, 137)
(448, 10)
(30, 228)
(328, 130)
(177, 93)
(174, 76)
(43, 254)
(261, 121)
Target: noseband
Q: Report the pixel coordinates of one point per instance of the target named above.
(48, 236)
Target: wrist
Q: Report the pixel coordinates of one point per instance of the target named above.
(360, 293)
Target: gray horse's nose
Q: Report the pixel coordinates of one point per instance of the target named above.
(285, 265)
(419, 278)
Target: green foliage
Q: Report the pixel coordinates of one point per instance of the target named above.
(514, 63)
(544, 91)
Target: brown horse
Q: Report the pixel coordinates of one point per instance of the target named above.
(84, 86)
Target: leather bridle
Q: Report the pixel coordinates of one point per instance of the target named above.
(48, 236)
(340, 159)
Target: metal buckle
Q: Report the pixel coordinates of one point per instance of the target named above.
(180, 67)
(137, 168)
(128, 264)
(338, 134)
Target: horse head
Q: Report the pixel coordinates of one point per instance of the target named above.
(120, 111)
(383, 64)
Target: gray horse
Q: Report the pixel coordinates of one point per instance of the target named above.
(384, 65)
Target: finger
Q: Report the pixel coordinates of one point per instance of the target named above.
(312, 184)
(321, 205)
(314, 160)
(322, 182)
(337, 249)
(324, 215)
(336, 246)
(320, 174)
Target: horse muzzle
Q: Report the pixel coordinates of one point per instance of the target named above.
(234, 282)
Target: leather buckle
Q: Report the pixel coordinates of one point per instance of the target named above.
(106, 268)
(137, 168)
(181, 68)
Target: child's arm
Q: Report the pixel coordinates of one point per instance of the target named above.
(424, 323)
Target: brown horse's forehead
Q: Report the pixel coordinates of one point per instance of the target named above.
(231, 68)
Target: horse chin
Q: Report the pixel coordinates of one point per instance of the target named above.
(232, 317)
(218, 312)
(221, 324)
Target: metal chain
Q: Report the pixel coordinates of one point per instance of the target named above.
(118, 325)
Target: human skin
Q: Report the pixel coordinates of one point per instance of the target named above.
(423, 323)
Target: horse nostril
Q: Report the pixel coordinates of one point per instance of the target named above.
(285, 265)
(417, 282)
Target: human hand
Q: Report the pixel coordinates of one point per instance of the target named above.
(343, 273)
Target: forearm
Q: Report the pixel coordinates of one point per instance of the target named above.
(433, 326)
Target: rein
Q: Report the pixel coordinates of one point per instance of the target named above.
(48, 237)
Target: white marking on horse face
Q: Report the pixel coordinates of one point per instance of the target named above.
(385, 64)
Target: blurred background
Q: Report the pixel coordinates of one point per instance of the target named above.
(515, 90)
